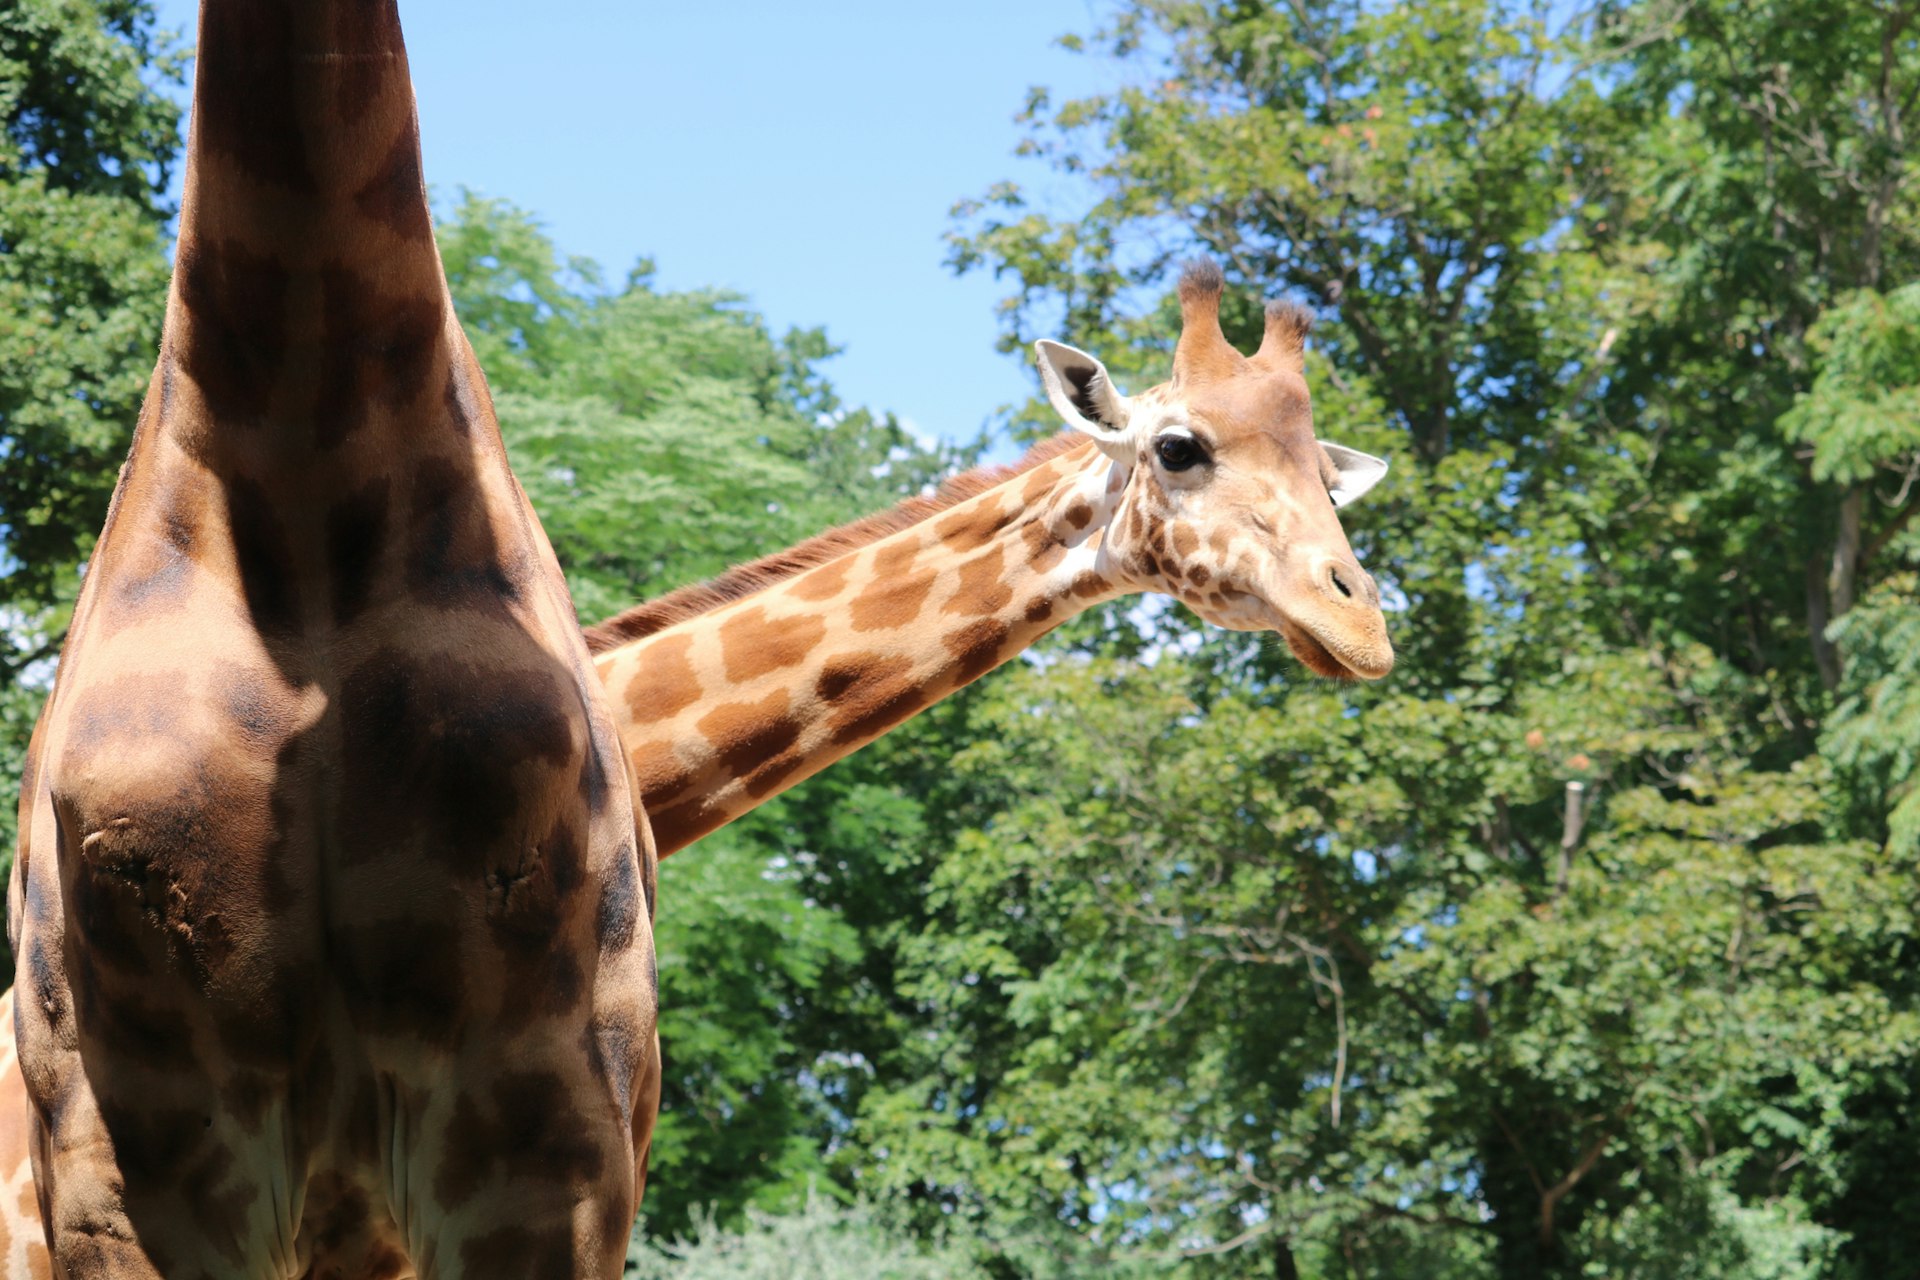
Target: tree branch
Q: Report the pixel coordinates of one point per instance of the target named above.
(1550, 1199)
(1570, 828)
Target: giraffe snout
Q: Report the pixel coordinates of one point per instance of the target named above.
(1336, 625)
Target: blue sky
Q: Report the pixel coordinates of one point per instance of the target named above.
(804, 155)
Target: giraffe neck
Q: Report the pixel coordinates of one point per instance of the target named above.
(723, 711)
(309, 311)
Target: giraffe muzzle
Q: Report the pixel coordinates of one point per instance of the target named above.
(1339, 630)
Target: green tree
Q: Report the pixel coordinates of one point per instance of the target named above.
(1594, 946)
(1779, 184)
(90, 135)
(1190, 1001)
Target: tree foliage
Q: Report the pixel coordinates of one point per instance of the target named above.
(89, 140)
(1581, 946)
(1589, 917)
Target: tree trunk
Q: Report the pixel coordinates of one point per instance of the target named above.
(1570, 827)
(1825, 656)
(1829, 600)
(1284, 1267)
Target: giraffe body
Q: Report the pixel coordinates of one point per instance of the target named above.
(332, 910)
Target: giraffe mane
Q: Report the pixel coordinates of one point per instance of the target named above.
(755, 576)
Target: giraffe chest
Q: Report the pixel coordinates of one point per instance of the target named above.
(412, 824)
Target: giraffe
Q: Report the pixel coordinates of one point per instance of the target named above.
(332, 904)
(1107, 507)
(1209, 487)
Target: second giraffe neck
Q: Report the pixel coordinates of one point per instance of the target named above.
(725, 710)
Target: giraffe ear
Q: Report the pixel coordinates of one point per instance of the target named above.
(1358, 472)
(1083, 393)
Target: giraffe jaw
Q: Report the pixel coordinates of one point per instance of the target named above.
(1331, 656)
(1318, 657)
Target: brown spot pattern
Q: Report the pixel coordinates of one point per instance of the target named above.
(379, 350)
(970, 529)
(824, 583)
(264, 556)
(402, 982)
(746, 734)
(666, 684)
(439, 759)
(1044, 549)
(982, 588)
(679, 825)
(452, 556)
(535, 1131)
(888, 703)
(1041, 479)
(895, 597)
(773, 775)
(396, 197)
(545, 1254)
(242, 110)
(356, 533)
(619, 908)
(372, 30)
(458, 400)
(237, 301)
(530, 890)
(870, 693)
(976, 649)
(753, 645)
(658, 774)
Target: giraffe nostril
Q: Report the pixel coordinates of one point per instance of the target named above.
(1339, 583)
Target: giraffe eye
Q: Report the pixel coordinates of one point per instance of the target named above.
(1177, 453)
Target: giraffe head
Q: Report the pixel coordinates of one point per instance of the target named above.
(1226, 501)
